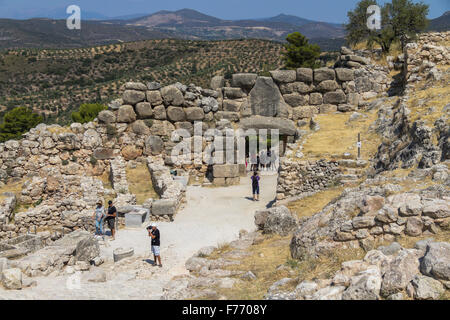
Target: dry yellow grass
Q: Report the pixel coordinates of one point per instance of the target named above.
(408, 242)
(326, 266)
(308, 206)
(140, 183)
(436, 97)
(14, 187)
(59, 130)
(263, 262)
(337, 135)
(267, 256)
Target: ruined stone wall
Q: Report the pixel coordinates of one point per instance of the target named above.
(304, 177)
(425, 56)
(142, 121)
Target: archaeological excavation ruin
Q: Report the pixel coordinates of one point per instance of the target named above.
(46, 227)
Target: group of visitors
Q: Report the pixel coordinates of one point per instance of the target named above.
(102, 215)
(265, 160)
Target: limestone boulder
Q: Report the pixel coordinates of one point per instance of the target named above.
(132, 97)
(91, 139)
(144, 110)
(12, 279)
(305, 75)
(154, 145)
(194, 114)
(244, 80)
(426, 288)
(126, 114)
(140, 128)
(278, 220)
(154, 97)
(436, 262)
(284, 76)
(285, 126)
(265, 97)
(335, 97)
(176, 114)
(323, 74)
(172, 95)
(131, 152)
(87, 250)
(106, 116)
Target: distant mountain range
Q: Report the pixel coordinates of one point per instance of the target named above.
(440, 24)
(181, 24)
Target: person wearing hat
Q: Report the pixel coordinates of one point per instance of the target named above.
(111, 218)
(99, 214)
(153, 233)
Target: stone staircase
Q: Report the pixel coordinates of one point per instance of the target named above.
(352, 170)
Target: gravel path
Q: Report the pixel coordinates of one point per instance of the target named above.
(211, 216)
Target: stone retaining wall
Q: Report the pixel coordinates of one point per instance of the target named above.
(304, 177)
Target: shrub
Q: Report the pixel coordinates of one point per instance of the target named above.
(93, 160)
(18, 121)
(300, 53)
(87, 112)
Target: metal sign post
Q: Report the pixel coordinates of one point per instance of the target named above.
(359, 145)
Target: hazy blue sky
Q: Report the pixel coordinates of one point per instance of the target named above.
(324, 10)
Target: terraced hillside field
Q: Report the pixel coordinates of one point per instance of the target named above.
(55, 82)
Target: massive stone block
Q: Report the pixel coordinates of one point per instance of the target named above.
(295, 99)
(144, 110)
(323, 74)
(164, 207)
(126, 114)
(133, 96)
(172, 96)
(226, 171)
(176, 114)
(194, 114)
(284, 76)
(305, 75)
(244, 80)
(344, 74)
(285, 126)
(336, 97)
(265, 98)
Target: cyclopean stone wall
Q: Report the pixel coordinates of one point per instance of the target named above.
(425, 56)
(60, 163)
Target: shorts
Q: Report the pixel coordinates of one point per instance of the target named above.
(255, 189)
(111, 223)
(155, 250)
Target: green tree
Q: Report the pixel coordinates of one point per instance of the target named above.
(401, 20)
(357, 22)
(300, 53)
(87, 112)
(405, 19)
(18, 121)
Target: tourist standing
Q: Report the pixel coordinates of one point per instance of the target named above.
(153, 233)
(255, 186)
(111, 219)
(99, 214)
